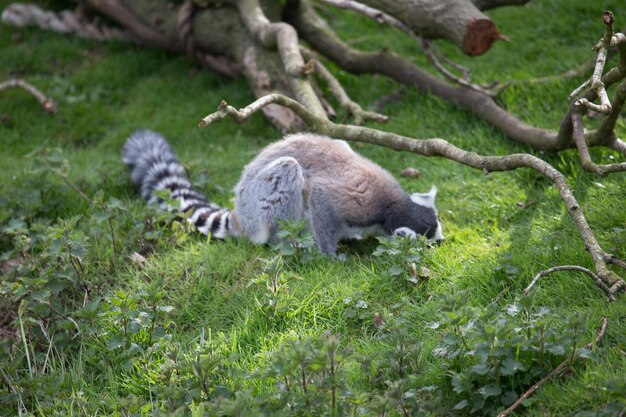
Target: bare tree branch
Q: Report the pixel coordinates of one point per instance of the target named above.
(605, 132)
(583, 150)
(593, 276)
(353, 108)
(595, 82)
(285, 39)
(437, 147)
(47, 104)
(458, 21)
(22, 15)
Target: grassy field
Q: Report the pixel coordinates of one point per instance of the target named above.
(201, 327)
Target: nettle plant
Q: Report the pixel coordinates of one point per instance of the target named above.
(295, 241)
(403, 256)
(276, 299)
(134, 320)
(494, 354)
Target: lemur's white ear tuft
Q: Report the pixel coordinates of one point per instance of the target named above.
(425, 199)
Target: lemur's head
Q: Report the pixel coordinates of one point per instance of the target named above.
(420, 218)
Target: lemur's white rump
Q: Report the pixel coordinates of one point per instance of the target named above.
(341, 194)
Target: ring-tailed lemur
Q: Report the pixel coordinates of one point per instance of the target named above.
(341, 194)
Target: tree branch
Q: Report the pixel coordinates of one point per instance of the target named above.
(317, 32)
(458, 21)
(285, 38)
(353, 108)
(437, 147)
(47, 104)
(22, 15)
(583, 150)
(593, 276)
(595, 82)
(605, 132)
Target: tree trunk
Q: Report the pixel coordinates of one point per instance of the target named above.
(458, 21)
(215, 30)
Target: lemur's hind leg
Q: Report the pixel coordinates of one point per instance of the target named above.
(275, 192)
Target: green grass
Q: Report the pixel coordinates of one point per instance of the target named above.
(107, 90)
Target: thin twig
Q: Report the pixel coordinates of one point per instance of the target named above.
(47, 104)
(73, 186)
(434, 56)
(554, 373)
(616, 261)
(595, 82)
(340, 94)
(594, 276)
(578, 134)
(606, 131)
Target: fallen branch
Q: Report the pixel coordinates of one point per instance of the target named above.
(47, 104)
(318, 33)
(593, 276)
(428, 48)
(583, 151)
(437, 147)
(554, 373)
(606, 130)
(595, 82)
(353, 108)
(435, 57)
(285, 39)
(66, 21)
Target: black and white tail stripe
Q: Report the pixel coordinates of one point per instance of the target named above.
(154, 167)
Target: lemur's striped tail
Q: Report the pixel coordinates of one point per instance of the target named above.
(154, 167)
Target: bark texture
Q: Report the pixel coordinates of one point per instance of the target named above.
(459, 21)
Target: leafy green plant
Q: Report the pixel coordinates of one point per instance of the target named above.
(403, 256)
(295, 241)
(495, 354)
(276, 299)
(310, 378)
(130, 319)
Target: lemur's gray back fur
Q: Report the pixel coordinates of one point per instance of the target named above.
(341, 194)
(154, 167)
